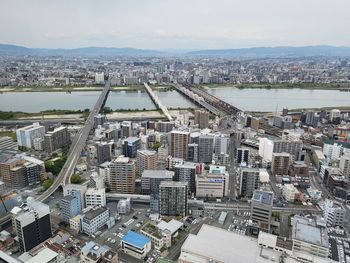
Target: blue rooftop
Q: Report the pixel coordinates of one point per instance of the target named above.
(136, 239)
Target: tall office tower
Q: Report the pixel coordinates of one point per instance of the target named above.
(163, 153)
(33, 225)
(201, 117)
(179, 141)
(76, 190)
(344, 165)
(186, 173)
(192, 152)
(250, 181)
(293, 147)
(205, 148)
(280, 163)
(265, 149)
(122, 175)
(150, 181)
(172, 198)
(99, 78)
(95, 197)
(335, 116)
(99, 119)
(130, 146)
(33, 173)
(104, 152)
(26, 135)
(261, 209)
(311, 118)
(70, 206)
(126, 129)
(56, 139)
(7, 142)
(221, 144)
(242, 156)
(146, 160)
(164, 126)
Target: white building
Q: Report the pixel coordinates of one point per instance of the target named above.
(95, 197)
(124, 206)
(333, 214)
(136, 245)
(265, 149)
(290, 192)
(344, 165)
(332, 151)
(94, 219)
(100, 77)
(26, 135)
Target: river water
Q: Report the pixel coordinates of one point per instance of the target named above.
(245, 99)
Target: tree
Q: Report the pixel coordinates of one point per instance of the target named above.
(76, 179)
(47, 183)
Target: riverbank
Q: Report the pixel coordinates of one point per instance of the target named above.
(312, 86)
(78, 88)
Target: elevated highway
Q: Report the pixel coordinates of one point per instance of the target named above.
(157, 102)
(77, 146)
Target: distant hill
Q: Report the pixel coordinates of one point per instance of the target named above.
(86, 51)
(275, 52)
(260, 52)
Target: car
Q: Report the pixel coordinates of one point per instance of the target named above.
(114, 234)
(113, 241)
(109, 239)
(121, 229)
(135, 217)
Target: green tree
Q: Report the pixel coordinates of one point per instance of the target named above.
(76, 179)
(47, 183)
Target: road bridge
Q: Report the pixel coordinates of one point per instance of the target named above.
(157, 102)
(197, 99)
(77, 146)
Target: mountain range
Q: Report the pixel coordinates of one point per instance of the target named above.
(260, 52)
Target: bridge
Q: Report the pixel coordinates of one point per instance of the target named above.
(77, 146)
(157, 102)
(199, 100)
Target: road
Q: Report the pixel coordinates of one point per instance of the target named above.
(157, 101)
(76, 147)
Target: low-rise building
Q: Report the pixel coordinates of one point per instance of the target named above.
(94, 219)
(136, 245)
(93, 253)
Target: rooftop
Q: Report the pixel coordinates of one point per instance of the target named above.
(136, 239)
(95, 212)
(157, 174)
(263, 197)
(173, 225)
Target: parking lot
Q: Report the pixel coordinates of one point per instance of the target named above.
(236, 221)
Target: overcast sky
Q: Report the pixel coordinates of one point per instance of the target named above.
(174, 24)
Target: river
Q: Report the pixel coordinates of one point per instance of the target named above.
(245, 99)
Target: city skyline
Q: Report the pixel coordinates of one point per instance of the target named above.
(168, 25)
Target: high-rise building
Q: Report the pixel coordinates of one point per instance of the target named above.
(242, 156)
(265, 149)
(280, 163)
(130, 146)
(261, 209)
(172, 198)
(332, 150)
(95, 197)
(186, 173)
(122, 175)
(192, 153)
(333, 213)
(344, 165)
(33, 225)
(250, 181)
(56, 139)
(26, 135)
(70, 206)
(205, 148)
(146, 160)
(99, 119)
(311, 118)
(126, 129)
(104, 152)
(150, 181)
(162, 155)
(201, 118)
(164, 126)
(7, 142)
(99, 78)
(293, 147)
(179, 141)
(221, 144)
(77, 190)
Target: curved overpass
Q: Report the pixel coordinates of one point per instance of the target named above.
(77, 146)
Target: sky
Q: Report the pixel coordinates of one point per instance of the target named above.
(174, 24)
